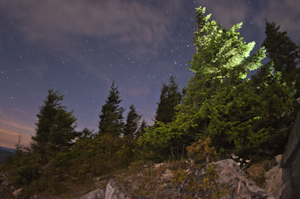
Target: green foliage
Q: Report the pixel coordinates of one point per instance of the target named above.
(220, 103)
(111, 117)
(132, 121)
(205, 185)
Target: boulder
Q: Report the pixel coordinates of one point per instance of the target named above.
(96, 194)
(17, 192)
(239, 186)
(256, 170)
(279, 182)
(116, 191)
(167, 175)
(37, 196)
(4, 176)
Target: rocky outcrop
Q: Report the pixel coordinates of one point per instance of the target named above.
(230, 175)
(283, 181)
(96, 194)
(116, 191)
(17, 192)
(239, 186)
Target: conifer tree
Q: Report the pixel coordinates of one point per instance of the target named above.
(111, 116)
(170, 97)
(219, 99)
(284, 53)
(284, 57)
(132, 121)
(55, 126)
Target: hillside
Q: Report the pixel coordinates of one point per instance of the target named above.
(5, 152)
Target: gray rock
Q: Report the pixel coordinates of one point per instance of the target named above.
(96, 194)
(289, 185)
(278, 158)
(279, 182)
(239, 186)
(293, 144)
(37, 196)
(295, 172)
(6, 183)
(116, 191)
(96, 179)
(167, 175)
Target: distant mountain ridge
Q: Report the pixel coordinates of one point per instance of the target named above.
(8, 149)
(5, 152)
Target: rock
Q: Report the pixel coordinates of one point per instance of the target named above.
(134, 185)
(6, 183)
(279, 183)
(116, 191)
(96, 194)
(156, 166)
(290, 160)
(37, 196)
(239, 186)
(167, 175)
(4, 176)
(256, 170)
(272, 172)
(96, 179)
(5, 192)
(100, 184)
(293, 144)
(269, 164)
(295, 173)
(278, 158)
(17, 192)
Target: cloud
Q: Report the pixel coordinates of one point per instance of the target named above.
(227, 13)
(8, 132)
(284, 13)
(7, 121)
(122, 22)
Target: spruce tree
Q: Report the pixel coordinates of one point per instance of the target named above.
(132, 121)
(170, 97)
(283, 57)
(284, 53)
(220, 102)
(111, 116)
(55, 127)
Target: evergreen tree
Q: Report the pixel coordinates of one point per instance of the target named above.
(284, 53)
(170, 97)
(55, 126)
(282, 107)
(132, 121)
(220, 103)
(111, 117)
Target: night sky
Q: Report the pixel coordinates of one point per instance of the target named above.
(80, 47)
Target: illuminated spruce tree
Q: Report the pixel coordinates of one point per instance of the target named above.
(220, 102)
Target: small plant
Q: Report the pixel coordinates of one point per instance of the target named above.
(240, 161)
(199, 180)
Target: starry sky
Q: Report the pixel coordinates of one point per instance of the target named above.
(79, 47)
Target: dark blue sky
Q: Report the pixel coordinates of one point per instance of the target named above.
(79, 47)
